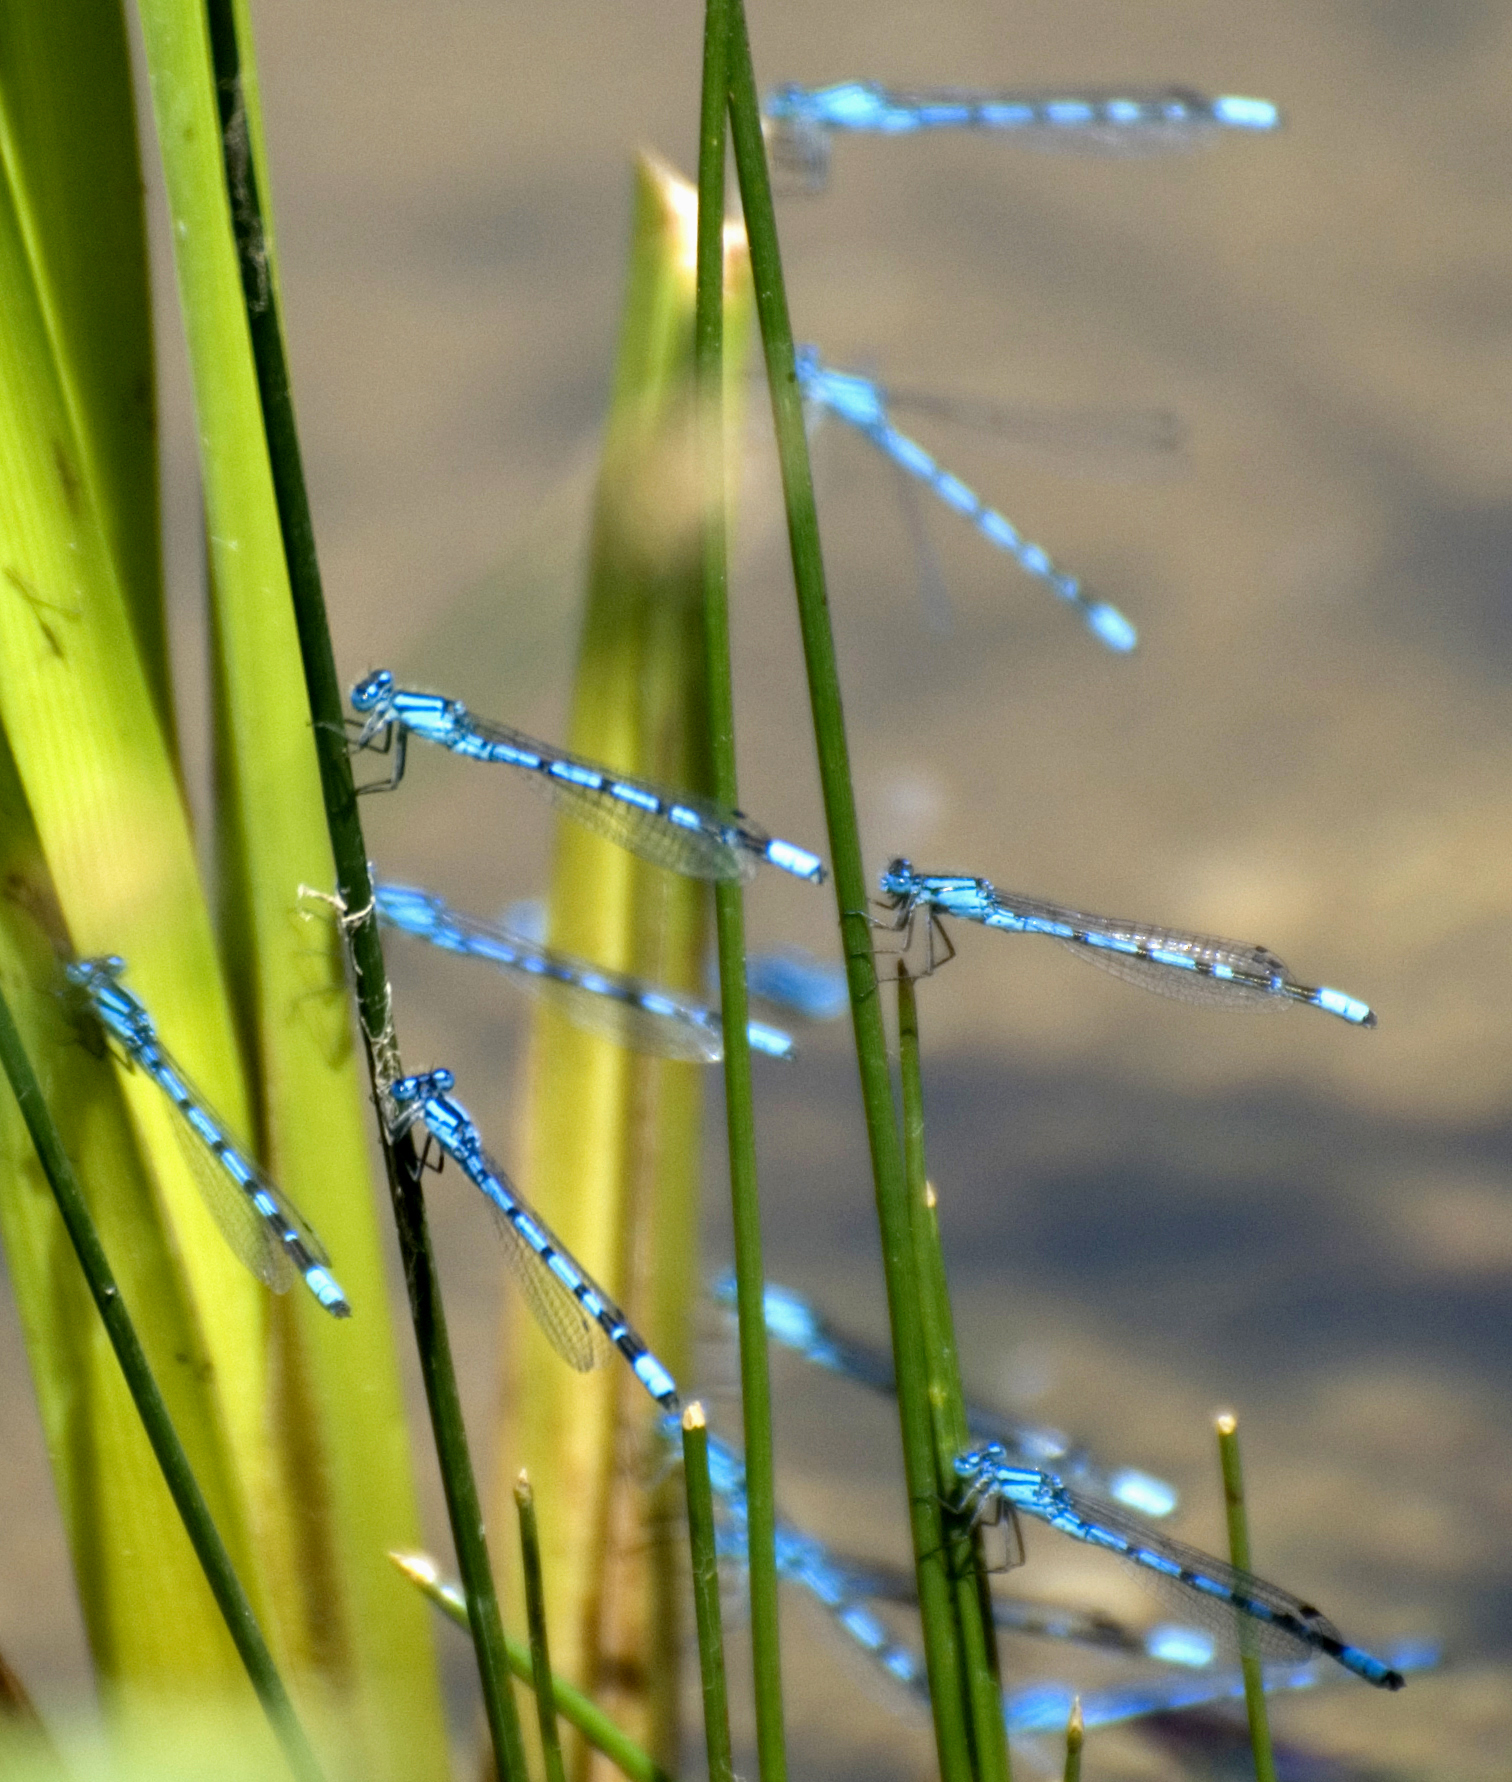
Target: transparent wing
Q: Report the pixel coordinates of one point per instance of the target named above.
(620, 1008)
(1149, 439)
(695, 853)
(1167, 980)
(1002, 1538)
(1226, 1622)
(571, 1332)
(679, 1036)
(933, 593)
(1181, 986)
(700, 853)
(568, 1327)
(254, 1238)
(800, 152)
(241, 1225)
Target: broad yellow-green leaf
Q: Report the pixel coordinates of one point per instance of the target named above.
(78, 198)
(83, 694)
(341, 1495)
(292, 1423)
(153, 1628)
(99, 782)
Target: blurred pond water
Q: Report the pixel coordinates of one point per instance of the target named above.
(1152, 1209)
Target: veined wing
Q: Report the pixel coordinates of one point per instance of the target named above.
(612, 1004)
(617, 1007)
(218, 1164)
(529, 1245)
(674, 1031)
(651, 1020)
(1192, 986)
(1220, 1596)
(1186, 985)
(699, 853)
(636, 815)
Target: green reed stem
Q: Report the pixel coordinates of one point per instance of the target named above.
(354, 886)
(960, 1556)
(535, 1613)
(573, 1706)
(1074, 1737)
(178, 1475)
(850, 887)
(705, 1558)
(729, 911)
(1239, 1557)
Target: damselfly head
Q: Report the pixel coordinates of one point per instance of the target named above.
(993, 1454)
(372, 691)
(422, 1085)
(80, 989)
(900, 879)
(105, 967)
(427, 1083)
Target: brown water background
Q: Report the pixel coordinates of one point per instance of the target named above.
(1151, 1210)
